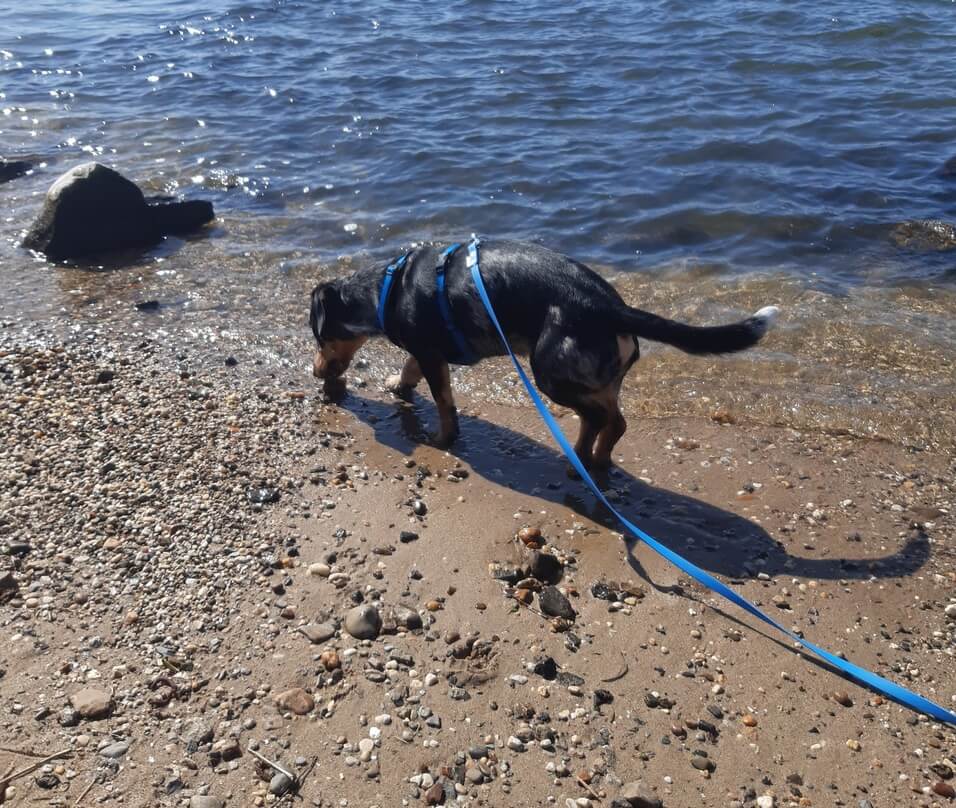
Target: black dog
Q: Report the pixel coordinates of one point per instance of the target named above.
(581, 336)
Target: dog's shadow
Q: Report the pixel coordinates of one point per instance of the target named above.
(712, 538)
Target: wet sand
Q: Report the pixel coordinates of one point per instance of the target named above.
(150, 575)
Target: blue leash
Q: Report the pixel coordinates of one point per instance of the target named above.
(861, 675)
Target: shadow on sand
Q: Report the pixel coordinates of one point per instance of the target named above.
(716, 540)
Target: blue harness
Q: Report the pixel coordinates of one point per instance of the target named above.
(465, 356)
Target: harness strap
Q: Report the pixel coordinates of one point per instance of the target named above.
(861, 675)
(390, 271)
(464, 352)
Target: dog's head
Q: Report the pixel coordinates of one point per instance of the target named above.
(337, 343)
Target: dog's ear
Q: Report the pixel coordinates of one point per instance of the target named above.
(317, 311)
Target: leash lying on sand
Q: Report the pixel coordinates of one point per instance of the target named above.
(860, 675)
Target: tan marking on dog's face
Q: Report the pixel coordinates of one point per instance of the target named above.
(334, 357)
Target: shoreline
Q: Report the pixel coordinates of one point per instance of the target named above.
(816, 527)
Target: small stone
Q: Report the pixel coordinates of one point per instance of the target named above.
(516, 744)
(226, 749)
(408, 619)
(854, 745)
(318, 633)
(320, 570)
(748, 720)
(295, 701)
(330, 660)
(944, 790)
(545, 567)
(765, 801)
(281, 784)
(407, 536)
(92, 704)
(474, 776)
(363, 622)
(206, 801)
(115, 750)
(433, 606)
(555, 604)
(197, 733)
(435, 795)
(638, 795)
(842, 698)
(702, 763)
(530, 536)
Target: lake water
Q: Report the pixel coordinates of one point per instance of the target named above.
(701, 152)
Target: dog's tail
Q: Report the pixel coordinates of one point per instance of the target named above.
(693, 339)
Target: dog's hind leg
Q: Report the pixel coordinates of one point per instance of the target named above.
(593, 423)
(435, 371)
(614, 429)
(402, 384)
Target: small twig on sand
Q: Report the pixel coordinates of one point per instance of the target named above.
(23, 752)
(85, 792)
(588, 788)
(622, 674)
(33, 767)
(275, 766)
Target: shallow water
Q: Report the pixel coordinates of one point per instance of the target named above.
(712, 157)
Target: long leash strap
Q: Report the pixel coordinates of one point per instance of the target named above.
(465, 354)
(861, 675)
(390, 271)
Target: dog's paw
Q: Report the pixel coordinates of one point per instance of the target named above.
(334, 390)
(442, 440)
(395, 386)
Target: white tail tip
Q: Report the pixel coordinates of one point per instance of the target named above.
(765, 318)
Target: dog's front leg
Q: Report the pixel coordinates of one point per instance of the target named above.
(439, 382)
(402, 384)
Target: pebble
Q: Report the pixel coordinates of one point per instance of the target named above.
(92, 704)
(205, 801)
(516, 744)
(363, 622)
(554, 604)
(281, 784)
(765, 801)
(638, 795)
(296, 701)
(840, 697)
(944, 789)
(318, 633)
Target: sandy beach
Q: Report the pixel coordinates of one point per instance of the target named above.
(186, 549)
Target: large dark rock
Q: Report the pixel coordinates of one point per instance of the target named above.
(924, 234)
(13, 169)
(949, 169)
(94, 209)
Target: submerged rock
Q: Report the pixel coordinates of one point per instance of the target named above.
(924, 234)
(13, 169)
(94, 209)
